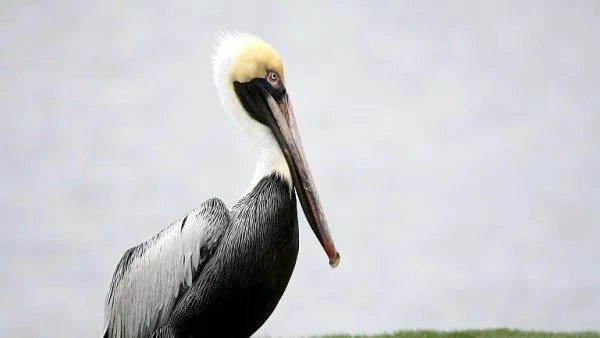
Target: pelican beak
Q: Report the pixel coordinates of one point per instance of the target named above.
(277, 113)
(288, 137)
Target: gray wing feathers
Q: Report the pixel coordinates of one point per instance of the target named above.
(148, 278)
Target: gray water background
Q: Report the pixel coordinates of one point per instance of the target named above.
(455, 146)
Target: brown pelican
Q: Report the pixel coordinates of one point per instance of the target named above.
(219, 272)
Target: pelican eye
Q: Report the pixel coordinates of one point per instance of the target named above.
(273, 77)
(275, 87)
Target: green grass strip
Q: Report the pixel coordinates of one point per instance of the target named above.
(494, 333)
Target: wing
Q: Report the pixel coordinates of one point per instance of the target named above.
(149, 277)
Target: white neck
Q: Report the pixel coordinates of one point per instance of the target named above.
(270, 157)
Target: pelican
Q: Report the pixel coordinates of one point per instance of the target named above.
(220, 272)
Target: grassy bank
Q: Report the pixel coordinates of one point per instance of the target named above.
(497, 333)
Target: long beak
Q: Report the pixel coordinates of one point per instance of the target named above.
(288, 137)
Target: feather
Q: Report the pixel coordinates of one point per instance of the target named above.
(149, 277)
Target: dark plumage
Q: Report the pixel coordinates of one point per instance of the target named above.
(242, 282)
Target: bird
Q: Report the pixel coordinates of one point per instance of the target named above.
(220, 271)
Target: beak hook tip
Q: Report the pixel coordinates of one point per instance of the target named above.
(333, 263)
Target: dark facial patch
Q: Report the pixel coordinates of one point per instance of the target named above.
(252, 95)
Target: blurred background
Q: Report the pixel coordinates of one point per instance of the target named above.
(455, 146)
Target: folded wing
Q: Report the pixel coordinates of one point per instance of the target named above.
(149, 277)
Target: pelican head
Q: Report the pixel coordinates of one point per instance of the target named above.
(250, 79)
